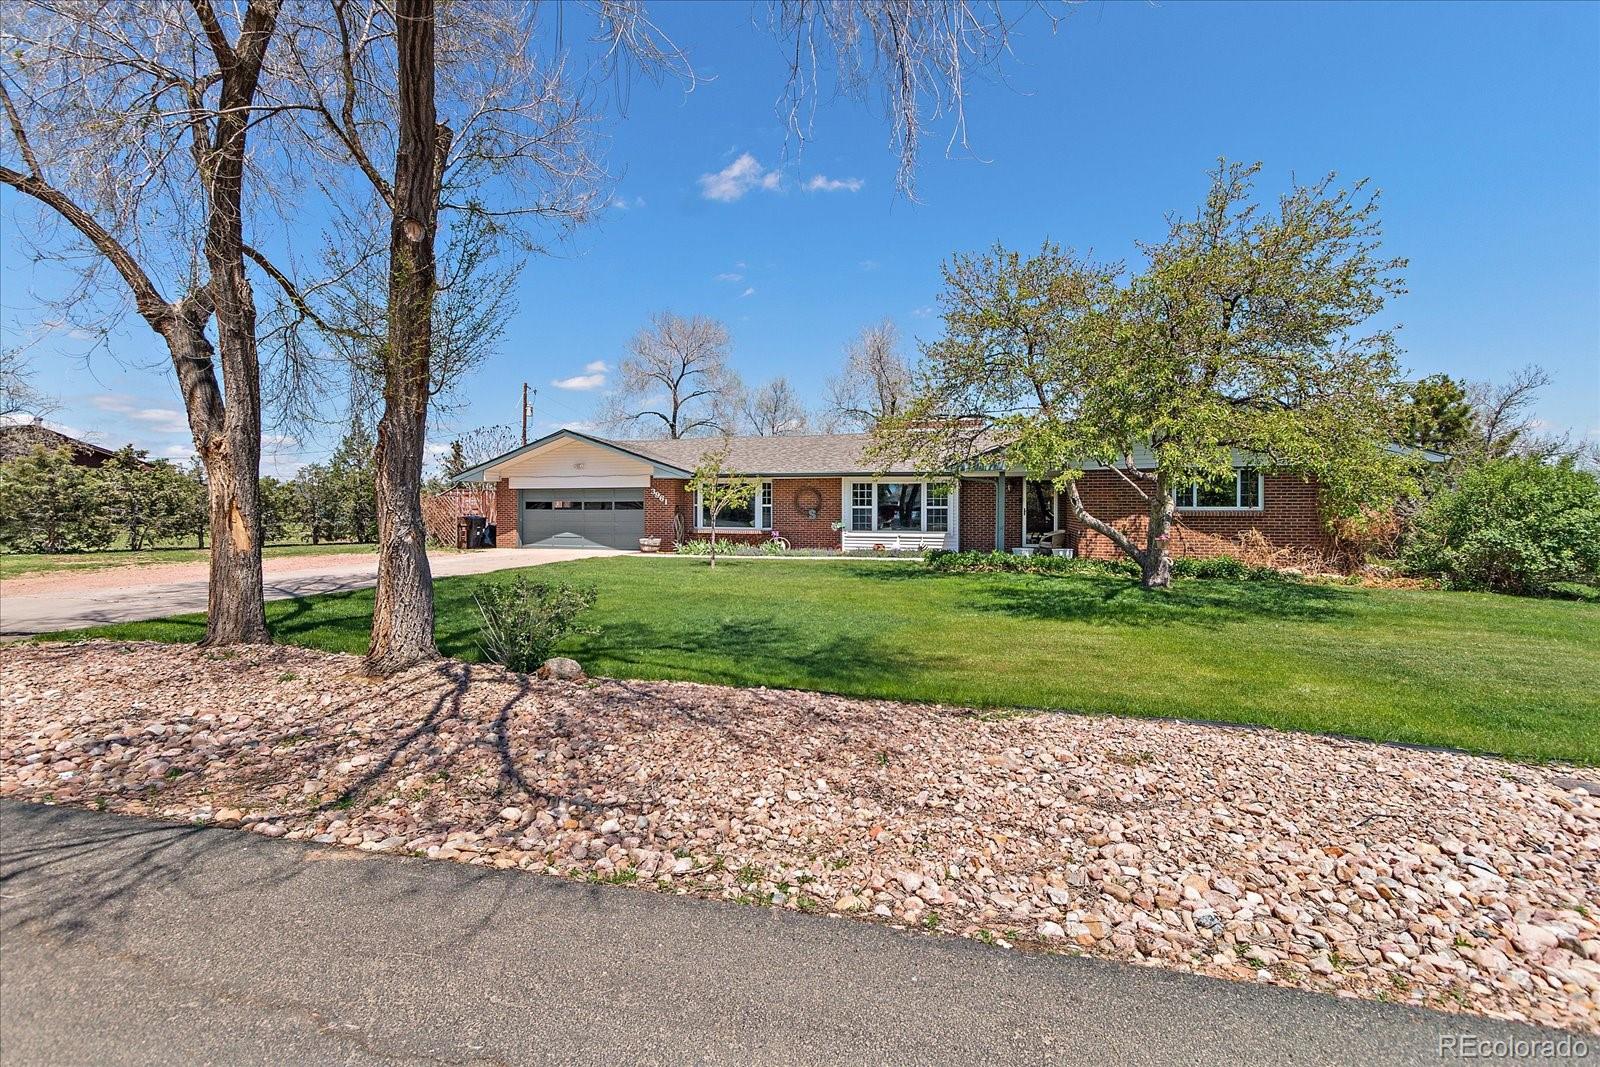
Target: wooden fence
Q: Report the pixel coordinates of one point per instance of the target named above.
(442, 512)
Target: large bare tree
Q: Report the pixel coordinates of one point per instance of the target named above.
(490, 143)
(130, 125)
(775, 410)
(20, 400)
(875, 383)
(675, 381)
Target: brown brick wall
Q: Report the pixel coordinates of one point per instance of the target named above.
(793, 523)
(976, 505)
(1290, 519)
(507, 516)
(666, 498)
(801, 530)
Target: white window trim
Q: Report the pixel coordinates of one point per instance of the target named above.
(765, 490)
(1238, 473)
(949, 509)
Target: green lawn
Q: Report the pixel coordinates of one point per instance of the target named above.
(16, 564)
(1476, 671)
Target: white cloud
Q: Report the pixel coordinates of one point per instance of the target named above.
(729, 276)
(748, 292)
(738, 178)
(593, 377)
(162, 420)
(623, 203)
(276, 441)
(182, 453)
(923, 312)
(821, 183)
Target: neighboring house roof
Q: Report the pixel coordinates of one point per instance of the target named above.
(18, 439)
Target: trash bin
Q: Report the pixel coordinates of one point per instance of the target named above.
(469, 532)
(488, 535)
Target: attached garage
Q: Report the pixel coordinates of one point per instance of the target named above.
(571, 490)
(581, 518)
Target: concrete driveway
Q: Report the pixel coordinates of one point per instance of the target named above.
(22, 616)
(129, 941)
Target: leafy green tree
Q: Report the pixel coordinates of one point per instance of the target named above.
(125, 493)
(193, 515)
(1438, 415)
(719, 489)
(353, 479)
(280, 509)
(1241, 337)
(317, 502)
(1513, 525)
(150, 501)
(50, 504)
(455, 461)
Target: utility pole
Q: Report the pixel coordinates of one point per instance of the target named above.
(526, 408)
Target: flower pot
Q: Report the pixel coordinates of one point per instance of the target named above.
(649, 544)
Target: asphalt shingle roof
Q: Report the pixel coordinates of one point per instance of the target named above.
(837, 453)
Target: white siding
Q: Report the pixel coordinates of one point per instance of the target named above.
(898, 540)
(862, 540)
(572, 464)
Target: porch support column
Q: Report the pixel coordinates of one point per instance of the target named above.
(1000, 514)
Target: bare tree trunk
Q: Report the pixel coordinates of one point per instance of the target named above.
(1154, 560)
(235, 606)
(714, 538)
(1156, 564)
(230, 444)
(402, 620)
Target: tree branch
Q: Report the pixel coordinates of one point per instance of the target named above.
(20, 134)
(153, 307)
(1104, 529)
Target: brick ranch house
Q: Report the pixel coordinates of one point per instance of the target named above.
(571, 490)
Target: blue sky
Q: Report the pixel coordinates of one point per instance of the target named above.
(1480, 123)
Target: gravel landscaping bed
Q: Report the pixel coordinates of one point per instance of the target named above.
(1454, 881)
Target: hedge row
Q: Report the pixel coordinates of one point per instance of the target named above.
(1216, 567)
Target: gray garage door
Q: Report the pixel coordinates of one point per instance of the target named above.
(582, 518)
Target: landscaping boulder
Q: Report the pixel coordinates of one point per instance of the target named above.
(561, 669)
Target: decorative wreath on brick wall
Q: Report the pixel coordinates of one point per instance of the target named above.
(808, 502)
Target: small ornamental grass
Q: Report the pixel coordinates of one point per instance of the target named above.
(522, 620)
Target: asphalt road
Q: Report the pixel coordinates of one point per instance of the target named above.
(23, 616)
(136, 942)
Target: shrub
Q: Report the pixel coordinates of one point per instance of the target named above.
(1512, 526)
(50, 504)
(523, 620)
(702, 547)
(1217, 567)
(979, 562)
(1225, 568)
